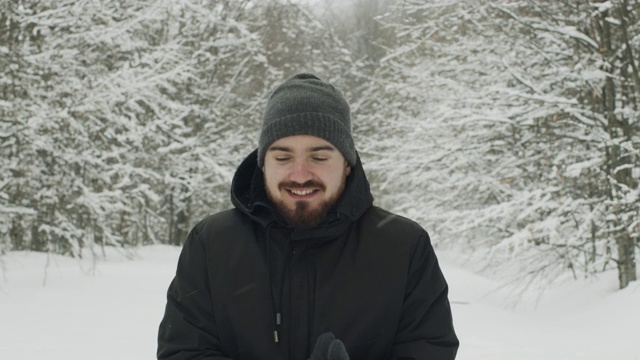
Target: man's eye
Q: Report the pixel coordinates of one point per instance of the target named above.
(282, 158)
(319, 158)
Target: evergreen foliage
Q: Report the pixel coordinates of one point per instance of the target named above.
(510, 130)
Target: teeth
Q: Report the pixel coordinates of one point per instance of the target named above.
(301, 192)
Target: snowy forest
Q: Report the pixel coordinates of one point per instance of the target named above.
(509, 129)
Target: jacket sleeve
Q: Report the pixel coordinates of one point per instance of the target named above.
(425, 331)
(188, 329)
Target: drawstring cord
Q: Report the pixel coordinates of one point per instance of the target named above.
(277, 293)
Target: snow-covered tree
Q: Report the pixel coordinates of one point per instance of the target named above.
(123, 122)
(514, 151)
(105, 121)
(15, 44)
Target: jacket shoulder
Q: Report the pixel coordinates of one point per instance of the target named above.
(382, 218)
(225, 224)
(387, 224)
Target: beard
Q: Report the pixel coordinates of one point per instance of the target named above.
(302, 216)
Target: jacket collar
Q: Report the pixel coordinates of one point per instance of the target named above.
(249, 196)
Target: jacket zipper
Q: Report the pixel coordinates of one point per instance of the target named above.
(293, 305)
(278, 300)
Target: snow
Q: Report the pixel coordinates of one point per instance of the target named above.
(54, 307)
(587, 319)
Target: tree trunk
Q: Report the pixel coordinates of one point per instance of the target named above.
(626, 259)
(619, 164)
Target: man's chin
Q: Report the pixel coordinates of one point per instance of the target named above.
(303, 213)
(304, 216)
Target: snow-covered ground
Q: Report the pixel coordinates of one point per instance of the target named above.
(58, 308)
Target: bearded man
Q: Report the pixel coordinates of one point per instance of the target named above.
(305, 266)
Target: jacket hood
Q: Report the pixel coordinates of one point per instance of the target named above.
(249, 196)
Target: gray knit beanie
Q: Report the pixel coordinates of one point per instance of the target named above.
(306, 105)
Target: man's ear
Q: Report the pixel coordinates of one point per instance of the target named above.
(347, 168)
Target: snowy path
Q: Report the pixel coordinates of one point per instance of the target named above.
(114, 313)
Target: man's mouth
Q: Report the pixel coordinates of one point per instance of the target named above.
(301, 193)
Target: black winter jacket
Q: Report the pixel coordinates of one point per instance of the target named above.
(366, 275)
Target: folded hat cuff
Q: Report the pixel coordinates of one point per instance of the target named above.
(310, 123)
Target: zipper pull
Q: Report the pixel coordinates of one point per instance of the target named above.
(275, 336)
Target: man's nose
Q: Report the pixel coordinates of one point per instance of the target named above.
(301, 172)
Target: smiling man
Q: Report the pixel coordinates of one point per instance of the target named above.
(305, 266)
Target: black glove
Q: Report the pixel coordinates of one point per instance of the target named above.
(329, 348)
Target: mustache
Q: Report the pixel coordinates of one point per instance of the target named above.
(306, 184)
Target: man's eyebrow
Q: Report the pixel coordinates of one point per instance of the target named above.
(279, 148)
(323, 148)
(312, 149)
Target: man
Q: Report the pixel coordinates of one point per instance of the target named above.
(305, 267)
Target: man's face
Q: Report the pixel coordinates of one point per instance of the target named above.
(304, 176)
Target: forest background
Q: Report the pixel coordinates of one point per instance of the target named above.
(508, 129)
